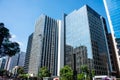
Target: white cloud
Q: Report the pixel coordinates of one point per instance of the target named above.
(14, 39)
(13, 36)
(20, 43)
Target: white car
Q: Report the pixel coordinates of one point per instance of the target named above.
(103, 77)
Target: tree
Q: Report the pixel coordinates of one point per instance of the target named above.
(93, 72)
(66, 73)
(80, 76)
(4, 33)
(43, 72)
(7, 47)
(84, 69)
(88, 73)
(20, 70)
(10, 48)
(23, 76)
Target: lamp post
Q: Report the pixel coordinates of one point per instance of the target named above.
(74, 67)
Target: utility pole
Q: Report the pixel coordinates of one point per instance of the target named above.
(74, 67)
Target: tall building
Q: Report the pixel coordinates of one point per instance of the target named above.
(13, 61)
(81, 57)
(16, 60)
(86, 27)
(27, 57)
(45, 49)
(113, 13)
(2, 62)
(114, 64)
(21, 59)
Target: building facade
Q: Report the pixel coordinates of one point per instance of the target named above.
(112, 8)
(16, 60)
(81, 57)
(13, 61)
(27, 57)
(45, 50)
(2, 62)
(113, 58)
(86, 27)
(21, 59)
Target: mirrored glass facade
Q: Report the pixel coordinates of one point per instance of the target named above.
(85, 28)
(113, 14)
(113, 7)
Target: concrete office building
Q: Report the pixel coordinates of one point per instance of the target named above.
(46, 49)
(27, 57)
(86, 27)
(113, 13)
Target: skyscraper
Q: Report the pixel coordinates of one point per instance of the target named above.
(27, 57)
(84, 31)
(114, 63)
(113, 13)
(45, 51)
(16, 60)
(21, 59)
(2, 62)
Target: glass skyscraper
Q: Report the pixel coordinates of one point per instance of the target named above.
(45, 48)
(113, 13)
(85, 33)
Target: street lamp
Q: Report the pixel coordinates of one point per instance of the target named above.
(74, 67)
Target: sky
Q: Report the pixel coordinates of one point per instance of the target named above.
(19, 16)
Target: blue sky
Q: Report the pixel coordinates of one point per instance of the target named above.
(19, 16)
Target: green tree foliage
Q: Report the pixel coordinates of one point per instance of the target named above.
(66, 73)
(43, 72)
(80, 76)
(84, 69)
(88, 74)
(7, 47)
(93, 73)
(20, 70)
(4, 33)
(23, 76)
(10, 48)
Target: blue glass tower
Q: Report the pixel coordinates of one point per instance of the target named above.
(113, 8)
(113, 13)
(85, 37)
